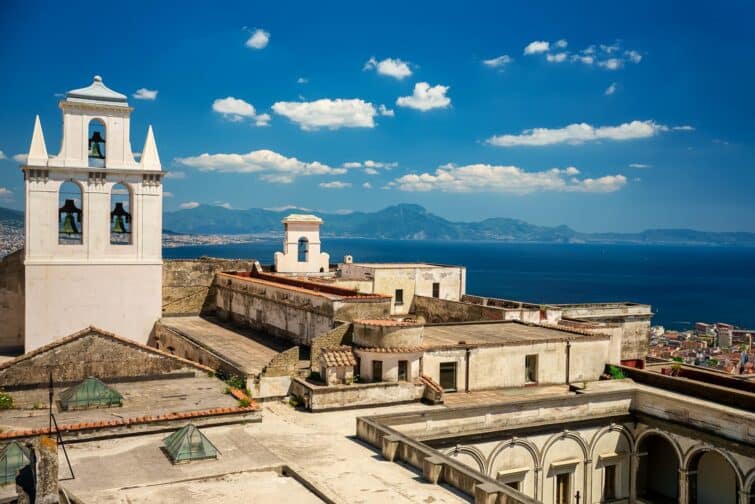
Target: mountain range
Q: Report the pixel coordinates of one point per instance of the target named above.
(413, 222)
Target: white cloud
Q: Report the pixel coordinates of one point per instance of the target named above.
(499, 62)
(222, 204)
(236, 109)
(289, 207)
(3, 156)
(258, 40)
(352, 164)
(380, 164)
(391, 67)
(561, 44)
(610, 89)
(145, 94)
(639, 165)
(371, 171)
(188, 205)
(367, 185)
(683, 128)
(426, 97)
(20, 158)
(634, 56)
(611, 63)
(302, 80)
(556, 58)
(370, 167)
(167, 194)
(385, 111)
(538, 46)
(505, 179)
(5, 193)
(175, 175)
(579, 133)
(327, 113)
(271, 166)
(336, 184)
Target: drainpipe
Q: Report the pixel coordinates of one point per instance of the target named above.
(568, 363)
(466, 374)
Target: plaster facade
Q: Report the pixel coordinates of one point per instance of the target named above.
(301, 246)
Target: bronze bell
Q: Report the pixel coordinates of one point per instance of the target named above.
(95, 146)
(120, 218)
(70, 210)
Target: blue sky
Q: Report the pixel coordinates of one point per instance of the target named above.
(595, 115)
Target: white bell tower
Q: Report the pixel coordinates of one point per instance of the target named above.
(93, 253)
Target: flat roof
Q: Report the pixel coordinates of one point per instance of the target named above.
(399, 265)
(249, 351)
(304, 286)
(498, 334)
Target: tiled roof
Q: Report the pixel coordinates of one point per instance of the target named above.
(416, 349)
(388, 322)
(338, 357)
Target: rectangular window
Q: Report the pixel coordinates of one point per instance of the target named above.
(402, 370)
(609, 482)
(530, 369)
(447, 374)
(436, 290)
(377, 371)
(399, 297)
(514, 485)
(563, 488)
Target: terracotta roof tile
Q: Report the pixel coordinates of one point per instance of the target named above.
(338, 357)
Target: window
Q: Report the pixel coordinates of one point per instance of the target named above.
(96, 144)
(563, 488)
(402, 370)
(514, 484)
(530, 369)
(377, 371)
(120, 215)
(303, 250)
(399, 297)
(436, 289)
(70, 229)
(609, 482)
(447, 374)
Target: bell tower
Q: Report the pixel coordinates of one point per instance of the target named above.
(93, 253)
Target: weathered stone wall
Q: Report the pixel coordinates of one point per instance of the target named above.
(167, 340)
(284, 364)
(187, 284)
(386, 336)
(341, 335)
(436, 311)
(319, 398)
(91, 354)
(12, 303)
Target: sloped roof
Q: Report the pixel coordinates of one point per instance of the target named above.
(97, 92)
(13, 457)
(90, 393)
(338, 357)
(188, 443)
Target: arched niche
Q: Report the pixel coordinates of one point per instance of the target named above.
(70, 214)
(120, 220)
(302, 250)
(96, 143)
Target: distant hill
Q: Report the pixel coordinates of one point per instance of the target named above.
(413, 222)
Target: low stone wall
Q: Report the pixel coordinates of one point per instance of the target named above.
(341, 335)
(187, 284)
(285, 363)
(12, 303)
(323, 398)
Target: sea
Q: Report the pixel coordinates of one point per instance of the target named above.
(684, 284)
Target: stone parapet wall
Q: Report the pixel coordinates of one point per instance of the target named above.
(284, 364)
(323, 398)
(12, 280)
(187, 284)
(341, 335)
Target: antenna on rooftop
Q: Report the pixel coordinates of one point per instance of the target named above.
(58, 437)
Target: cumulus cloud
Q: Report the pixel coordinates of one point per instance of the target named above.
(3, 156)
(370, 167)
(611, 63)
(385, 111)
(556, 58)
(371, 171)
(610, 89)
(188, 205)
(336, 184)
(259, 39)
(639, 165)
(633, 56)
(302, 80)
(536, 47)
(175, 175)
(327, 113)
(271, 166)
(500, 62)
(426, 97)
(579, 133)
(236, 109)
(20, 158)
(145, 94)
(367, 185)
(391, 67)
(505, 179)
(561, 44)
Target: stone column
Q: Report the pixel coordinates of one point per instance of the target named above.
(634, 469)
(588, 482)
(683, 486)
(744, 496)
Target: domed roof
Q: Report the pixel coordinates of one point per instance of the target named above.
(97, 92)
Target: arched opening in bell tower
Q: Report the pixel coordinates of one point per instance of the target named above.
(70, 228)
(303, 250)
(120, 215)
(96, 143)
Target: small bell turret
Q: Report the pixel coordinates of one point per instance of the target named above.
(119, 217)
(96, 146)
(69, 211)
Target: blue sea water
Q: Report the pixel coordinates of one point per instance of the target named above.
(684, 284)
